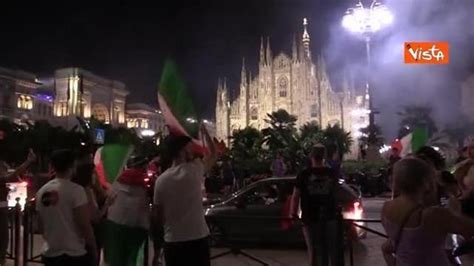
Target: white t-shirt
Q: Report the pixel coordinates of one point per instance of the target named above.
(178, 191)
(55, 202)
(131, 207)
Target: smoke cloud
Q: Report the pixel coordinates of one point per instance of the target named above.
(397, 84)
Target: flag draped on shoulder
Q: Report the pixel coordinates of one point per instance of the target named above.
(177, 106)
(110, 160)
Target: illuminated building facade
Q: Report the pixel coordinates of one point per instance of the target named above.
(80, 93)
(20, 98)
(298, 84)
(141, 117)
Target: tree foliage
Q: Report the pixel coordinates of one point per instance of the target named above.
(282, 136)
(413, 116)
(371, 135)
(247, 151)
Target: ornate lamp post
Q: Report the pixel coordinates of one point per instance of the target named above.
(365, 21)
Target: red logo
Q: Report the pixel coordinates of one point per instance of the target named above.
(426, 53)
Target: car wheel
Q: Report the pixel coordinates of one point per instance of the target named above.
(216, 234)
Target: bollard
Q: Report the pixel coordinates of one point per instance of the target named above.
(340, 239)
(26, 232)
(17, 227)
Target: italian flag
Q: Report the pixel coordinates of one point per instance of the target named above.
(413, 141)
(110, 160)
(177, 106)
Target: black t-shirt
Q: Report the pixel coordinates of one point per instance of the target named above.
(467, 205)
(318, 187)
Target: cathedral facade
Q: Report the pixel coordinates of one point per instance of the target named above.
(298, 84)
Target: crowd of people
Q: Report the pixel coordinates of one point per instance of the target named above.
(80, 219)
(431, 206)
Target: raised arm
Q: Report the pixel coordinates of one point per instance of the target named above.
(454, 223)
(22, 168)
(211, 158)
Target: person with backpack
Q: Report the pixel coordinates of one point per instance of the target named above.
(316, 190)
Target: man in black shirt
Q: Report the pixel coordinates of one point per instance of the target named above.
(316, 189)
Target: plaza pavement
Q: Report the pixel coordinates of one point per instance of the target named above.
(366, 252)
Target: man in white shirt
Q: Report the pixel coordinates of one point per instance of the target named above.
(64, 217)
(178, 203)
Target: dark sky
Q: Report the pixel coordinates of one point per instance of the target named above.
(209, 38)
(129, 43)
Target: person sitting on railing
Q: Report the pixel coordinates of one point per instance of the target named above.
(417, 232)
(5, 178)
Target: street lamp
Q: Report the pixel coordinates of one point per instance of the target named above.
(365, 20)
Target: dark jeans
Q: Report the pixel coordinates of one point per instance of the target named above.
(321, 240)
(195, 252)
(64, 260)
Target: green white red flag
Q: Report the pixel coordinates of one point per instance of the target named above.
(413, 141)
(177, 107)
(110, 160)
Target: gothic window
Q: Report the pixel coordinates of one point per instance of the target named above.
(25, 102)
(314, 110)
(282, 63)
(283, 83)
(254, 114)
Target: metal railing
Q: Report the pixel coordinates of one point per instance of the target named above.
(342, 242)
(26, 241)
(14, 233)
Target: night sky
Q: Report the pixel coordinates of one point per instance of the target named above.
(207, 39)
(129, 43)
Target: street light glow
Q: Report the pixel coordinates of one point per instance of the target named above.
(148, 133)
(366, 20)
(191, 120)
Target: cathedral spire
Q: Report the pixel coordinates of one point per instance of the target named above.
(262, 52)
(243, 74)
(269, 52)
(306, 38)
(220, 91)
(294, 50)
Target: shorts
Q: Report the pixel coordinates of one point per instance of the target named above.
(194, 252)
(68, 260)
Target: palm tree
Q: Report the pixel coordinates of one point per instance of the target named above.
(336, 139)
(371, 135)
(413, 116)
(247, 151)
(281, 136)
(281, 133)
(310, 134)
